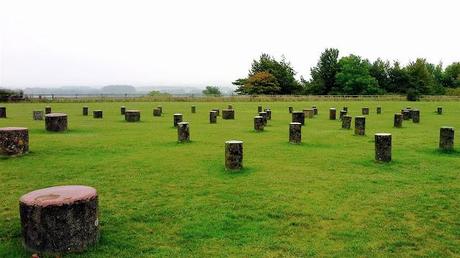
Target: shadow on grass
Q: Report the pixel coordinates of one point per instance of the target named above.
(444, 153)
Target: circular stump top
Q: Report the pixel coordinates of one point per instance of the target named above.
(55, 115)
(177, 114)
(58, 195)
(383, 134)
(234, 142)
(7, 129)
(133, 111)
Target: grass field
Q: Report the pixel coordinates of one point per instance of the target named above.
(325, 197)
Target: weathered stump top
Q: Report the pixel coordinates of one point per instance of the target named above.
(133, 111)
(13, 129)
(58, 195)
(234, 142)
(383, 134)
(56, 114)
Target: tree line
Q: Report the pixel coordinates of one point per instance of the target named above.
(350, 75)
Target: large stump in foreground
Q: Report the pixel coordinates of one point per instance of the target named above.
(295, 133)
(132, 115)
(233, 155)
(14, 141)
(383, 147)
(2, 112)
(59, 219)
(183, 132)
(56, 122)
(228, 114)
(446, 138)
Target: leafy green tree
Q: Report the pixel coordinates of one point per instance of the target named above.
(281, 70)
(158, 93)
(398, 79)
(323, 75)
(212, 91)
(261, 83)
(380, 70)
(421, 79)
(354, 77)
(451, 75)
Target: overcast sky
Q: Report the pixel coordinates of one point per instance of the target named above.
(50, 43)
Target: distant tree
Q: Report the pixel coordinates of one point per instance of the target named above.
(380, 71)
(451, 76)
(260, 83)
(158, 93)
(281, 70)
(323, 75)
(212, 91)
(421, 79)
(354, 77)
(398, 79)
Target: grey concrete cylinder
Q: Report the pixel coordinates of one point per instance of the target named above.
(290, 109)
(264, 116)
(59, 219)
(259, 109)
(213, 117)
(383, 147)
(47, 110)
(228, 114)
(259, 123)
(379, 110)
(97, 114)
(439, 110)
(2, 112)
(233, 155)
(269, 114)
(85, 111)
(298, 117)
(416, 116)
(398, 120)
(332, 114)
(122, 110)
(346, 122)
(342, 114)
(193, 109)
(132, 115)
(365, 111)
(360, 125)
(37, 115)
(183, 132)
(446, 138)
(56, 122)
(177, 118)
(14, 141)
(156, 112)
(295, 133)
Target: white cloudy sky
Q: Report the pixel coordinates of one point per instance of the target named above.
(201, 42)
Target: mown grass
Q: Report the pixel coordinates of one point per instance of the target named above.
(326, 197)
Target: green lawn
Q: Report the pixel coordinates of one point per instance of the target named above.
(325, 197)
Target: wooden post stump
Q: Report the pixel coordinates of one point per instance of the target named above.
(228, 114)
(37, 115)
(259, 123)
(213, 117)
(269, 113)
(183, 132)
(264, 116)
(379, 110)
(122, 110)
(360, 125)
(342, 114)
(383, 147)
(332, 114)
(56, 122)
(47, 110)
(298, 117)
(132, 115)
(295, 132)
(398, 120)
(259, 109)
(365, 111)
(85, 111)
(346, 122)
(14, 141)
(446, 138)
(416, 116)
(2, 112)
(60, 219)
(290, 109)
(406, 114)
(97, 114)
(439, 110)
(193, 109)
(217, 110)
(233, 155)
(156, 112)
(177, 118)
(309, 113)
